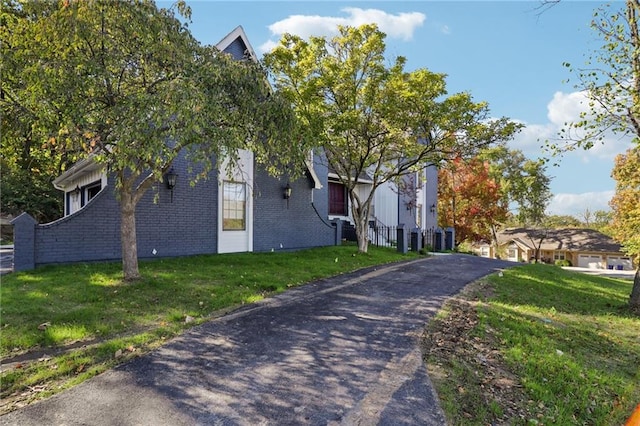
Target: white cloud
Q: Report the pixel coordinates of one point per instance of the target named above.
(267, 46)
(400, 26)
(566, 108)
(574, 204)
(531, 139)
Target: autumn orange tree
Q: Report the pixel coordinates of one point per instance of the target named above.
(470, 199)
(626, 210)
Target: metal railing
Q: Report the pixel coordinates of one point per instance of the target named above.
(383, 236)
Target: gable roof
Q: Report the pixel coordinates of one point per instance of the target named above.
(80, 168)
(571, 239)
(237, 44)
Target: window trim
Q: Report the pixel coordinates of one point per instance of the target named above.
(345, 204)
(86, 195)
(226, 208)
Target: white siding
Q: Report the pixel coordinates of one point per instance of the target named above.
(72, 200)
(386, 204)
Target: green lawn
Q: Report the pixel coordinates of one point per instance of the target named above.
(565, 339)
(52, 308)
(568, 343)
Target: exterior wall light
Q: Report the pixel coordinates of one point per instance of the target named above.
(432, 209)
(171, 178)
(287, 191)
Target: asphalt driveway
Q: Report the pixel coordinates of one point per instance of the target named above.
(340, 351)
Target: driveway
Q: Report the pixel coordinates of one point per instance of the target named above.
(340, 351)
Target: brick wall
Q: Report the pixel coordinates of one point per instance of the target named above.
(185, 226)
(282, 225)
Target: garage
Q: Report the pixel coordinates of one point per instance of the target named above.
(619, 262)
(591, 261)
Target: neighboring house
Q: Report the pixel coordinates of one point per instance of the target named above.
(585, 248)
(247, 210)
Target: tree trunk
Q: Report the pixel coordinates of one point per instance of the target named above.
(362, 234)
(360, 214)
(128, 238)
(634, 299)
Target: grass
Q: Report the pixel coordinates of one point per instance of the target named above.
(566, 339)
(72, 322)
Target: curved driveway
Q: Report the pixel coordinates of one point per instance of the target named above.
(340, 351)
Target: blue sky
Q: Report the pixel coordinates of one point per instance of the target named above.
(506, 53)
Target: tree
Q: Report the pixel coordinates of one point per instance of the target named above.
(533, 197)
(29, 164)
(587, 217)
(601, 220)
(370, 118)
(470, 199)
(555, 221)
(126, 82)
(523, 185)
(532, 193)
(611, 82)
(626, 212)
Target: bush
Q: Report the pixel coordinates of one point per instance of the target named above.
(563, 262)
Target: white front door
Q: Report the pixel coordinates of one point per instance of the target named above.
(235, 206)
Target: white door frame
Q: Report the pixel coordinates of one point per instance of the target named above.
(235, 241)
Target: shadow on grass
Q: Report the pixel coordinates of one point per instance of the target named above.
(57, 305)
(549, 287)
(571, 339)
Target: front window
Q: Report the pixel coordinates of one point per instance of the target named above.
(558, 256)
(91, 191)
(234, 206)
(337, 199)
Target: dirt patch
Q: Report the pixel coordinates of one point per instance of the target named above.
(469, 368)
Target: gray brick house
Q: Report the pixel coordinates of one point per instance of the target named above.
(240, 213)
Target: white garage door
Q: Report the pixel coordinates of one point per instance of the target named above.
(619, 262)
(591, 261)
